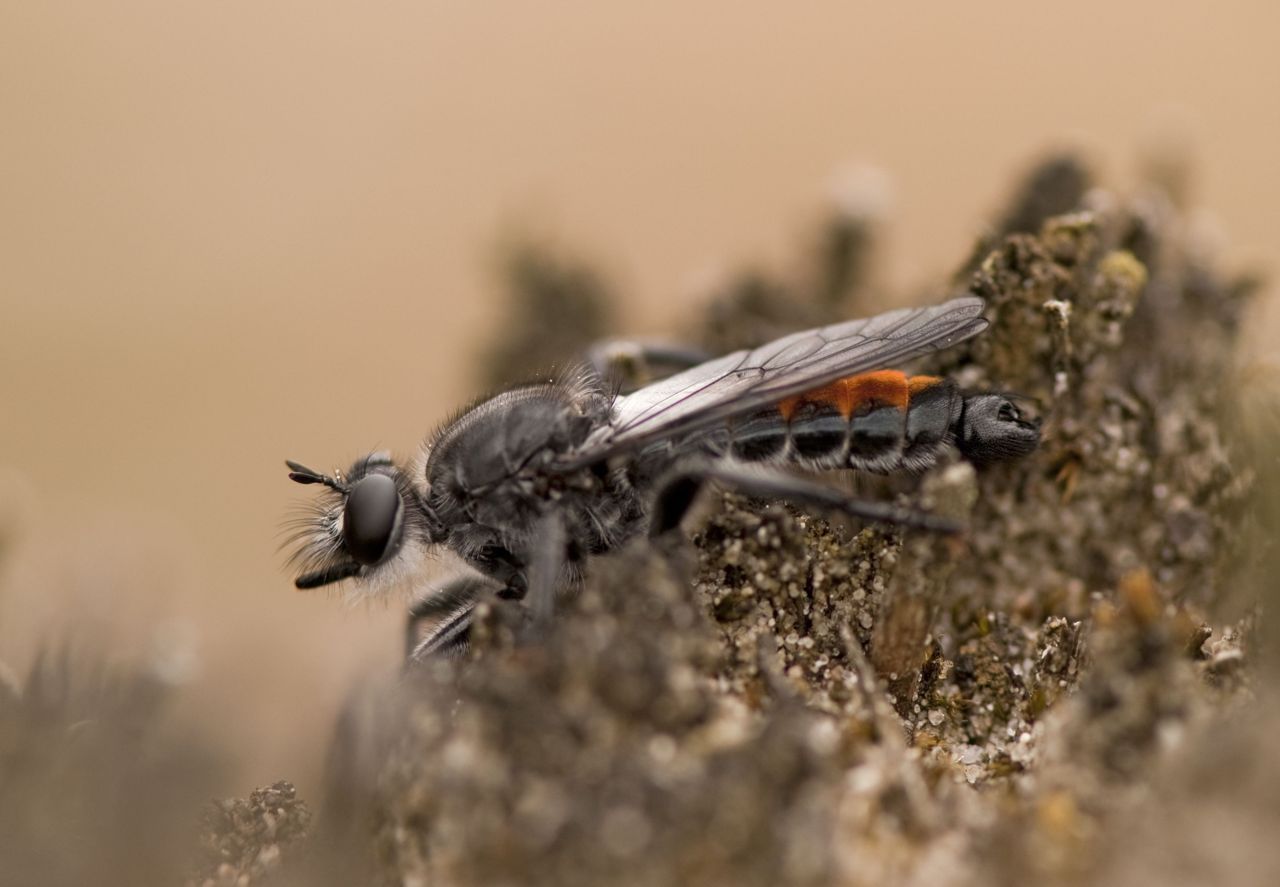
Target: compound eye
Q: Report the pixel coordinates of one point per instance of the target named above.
(1008, 413)
(372, 518)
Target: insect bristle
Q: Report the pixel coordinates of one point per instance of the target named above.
(312, 537)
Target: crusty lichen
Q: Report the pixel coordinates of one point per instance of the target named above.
(593, 757)
(245, 841)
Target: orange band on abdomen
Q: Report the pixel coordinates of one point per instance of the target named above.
(919, 384)
(855, 393)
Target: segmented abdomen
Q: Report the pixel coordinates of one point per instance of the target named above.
(881, 421)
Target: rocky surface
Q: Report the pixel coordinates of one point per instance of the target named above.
(788, 699)
(1073, 691)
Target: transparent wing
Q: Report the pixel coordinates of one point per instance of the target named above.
(745, 381)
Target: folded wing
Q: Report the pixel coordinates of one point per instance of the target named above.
(745, 381)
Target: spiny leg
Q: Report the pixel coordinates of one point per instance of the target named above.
(440, 623)
(679, 489)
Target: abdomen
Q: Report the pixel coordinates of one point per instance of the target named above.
(882, 422)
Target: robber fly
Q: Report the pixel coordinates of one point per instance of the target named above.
(525, 485)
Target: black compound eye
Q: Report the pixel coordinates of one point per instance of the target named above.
(1008, 413)
(372, 518)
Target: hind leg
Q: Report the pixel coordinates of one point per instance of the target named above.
(680, 488)
(633, 363)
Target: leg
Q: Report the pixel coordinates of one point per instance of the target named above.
(440, 623)
(633, 363)
(546, 564)
(678, 490)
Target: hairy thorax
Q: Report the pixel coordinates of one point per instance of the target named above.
(489, 480)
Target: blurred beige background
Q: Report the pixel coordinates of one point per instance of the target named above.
(233, 232)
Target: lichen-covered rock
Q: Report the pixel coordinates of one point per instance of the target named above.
(788, 699)
(593, 757)
(245, 840)
(785, 591)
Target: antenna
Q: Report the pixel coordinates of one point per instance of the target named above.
(300, 473)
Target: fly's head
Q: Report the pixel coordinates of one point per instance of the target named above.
(369, 524)
(992, 428)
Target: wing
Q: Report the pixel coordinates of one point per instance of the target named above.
(745, 381)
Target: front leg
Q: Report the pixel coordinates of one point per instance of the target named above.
(505, 570)
(440, 623)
